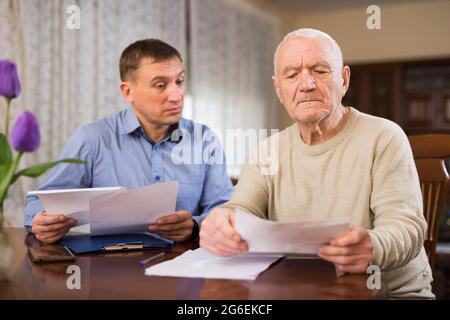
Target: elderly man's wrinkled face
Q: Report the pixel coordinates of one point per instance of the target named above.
(309, 81)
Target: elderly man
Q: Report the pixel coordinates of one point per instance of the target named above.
(135, 148)
(334, 162)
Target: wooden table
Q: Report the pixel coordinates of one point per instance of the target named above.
(118, 276)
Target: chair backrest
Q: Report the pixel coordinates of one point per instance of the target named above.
(429, 152)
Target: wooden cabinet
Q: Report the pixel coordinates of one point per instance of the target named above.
(416, 94)
(427, 97)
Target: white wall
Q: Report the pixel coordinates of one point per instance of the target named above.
(417, 30)
(408, 31)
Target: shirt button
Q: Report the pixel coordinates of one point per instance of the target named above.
(157, 178)
(157, 147)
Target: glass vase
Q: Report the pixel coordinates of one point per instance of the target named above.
(12, 249)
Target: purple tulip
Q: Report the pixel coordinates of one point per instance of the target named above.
(25, 136)
(9, 81)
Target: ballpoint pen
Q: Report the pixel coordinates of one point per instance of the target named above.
(152, 258)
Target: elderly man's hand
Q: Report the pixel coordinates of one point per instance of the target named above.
(351, 251)
(219, 236)
(177, 226)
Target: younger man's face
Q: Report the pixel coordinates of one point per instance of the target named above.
(157, 91)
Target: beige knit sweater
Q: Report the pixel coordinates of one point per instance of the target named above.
(367, 173)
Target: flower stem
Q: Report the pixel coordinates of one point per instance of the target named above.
(8, 103)
(5, 182)
(16, 162)
(1, 216)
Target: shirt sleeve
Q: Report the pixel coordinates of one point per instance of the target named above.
(396, 203)
(65, 175)
(217, 187)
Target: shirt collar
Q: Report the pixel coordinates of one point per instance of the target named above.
(132, 124)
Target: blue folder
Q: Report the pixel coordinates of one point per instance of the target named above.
(113, 243)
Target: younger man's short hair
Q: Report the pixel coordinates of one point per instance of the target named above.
(132, 56)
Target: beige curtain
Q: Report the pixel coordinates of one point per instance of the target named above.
(70, 77)
(232, 63)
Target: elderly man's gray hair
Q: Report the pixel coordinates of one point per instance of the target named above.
(312, 33)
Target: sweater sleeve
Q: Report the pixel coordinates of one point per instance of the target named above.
(251, 194)
(396, 202)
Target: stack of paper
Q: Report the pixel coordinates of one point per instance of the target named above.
(286, 237)
(132, 211)
(73, 203)
(201, 264)
(112, 210)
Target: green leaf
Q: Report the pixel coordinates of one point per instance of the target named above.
(3, 170)
(39, 169)
(5, 150)
(6, 172)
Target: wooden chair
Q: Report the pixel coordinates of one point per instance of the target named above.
(429, 152)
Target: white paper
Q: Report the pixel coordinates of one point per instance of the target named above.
(201, 264)
(131, 211)
(73, 203)
(264, 236)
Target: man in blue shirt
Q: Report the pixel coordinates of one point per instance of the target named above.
(147, 143)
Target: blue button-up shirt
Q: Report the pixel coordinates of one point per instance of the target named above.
(118, 153)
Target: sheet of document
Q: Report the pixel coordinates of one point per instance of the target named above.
(264, 236)
(200, 263)
(71, 202)
(131, 211)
